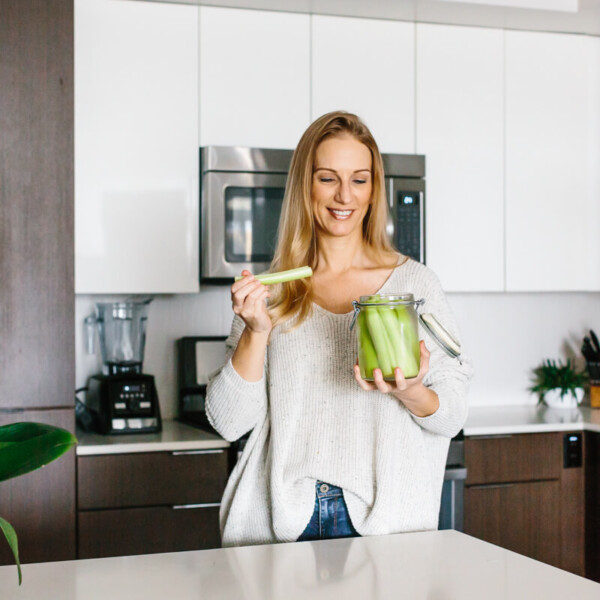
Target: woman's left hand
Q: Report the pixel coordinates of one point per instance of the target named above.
(419, 399)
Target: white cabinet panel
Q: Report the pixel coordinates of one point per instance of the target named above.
(548, 204)
(254, 77)
(136, 147)
(366, 66)
(592, 235)
(460, 129)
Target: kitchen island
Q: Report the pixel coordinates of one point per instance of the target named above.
(433, 565)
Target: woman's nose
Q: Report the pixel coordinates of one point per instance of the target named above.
(344, 195)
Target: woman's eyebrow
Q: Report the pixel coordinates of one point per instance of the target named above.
(334, 171)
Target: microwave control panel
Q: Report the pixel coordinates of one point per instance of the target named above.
(408, 226)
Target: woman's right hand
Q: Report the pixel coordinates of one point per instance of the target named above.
(248, 296)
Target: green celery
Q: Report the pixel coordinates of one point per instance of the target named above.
(367, 357)
(409, 333)
(282, 276)
(380, 341)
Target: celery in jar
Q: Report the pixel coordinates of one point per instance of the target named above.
(367, 357)
(380, 341)
(409, 332)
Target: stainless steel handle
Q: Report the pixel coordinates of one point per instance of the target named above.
(190, 506)
(490, 486)
(491, 437)
(192, 452)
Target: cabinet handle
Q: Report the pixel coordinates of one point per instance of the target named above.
(191, 452)
(491, 486)
(491, 437)
(188, 506)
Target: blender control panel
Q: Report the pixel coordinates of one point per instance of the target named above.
(132, 397)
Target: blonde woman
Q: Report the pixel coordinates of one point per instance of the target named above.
(331, 455)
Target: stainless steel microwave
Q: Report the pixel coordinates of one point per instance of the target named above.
(241, 193)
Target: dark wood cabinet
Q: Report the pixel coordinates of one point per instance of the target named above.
(37, 359)
(141, 503)
(519, 495)
(592, 505)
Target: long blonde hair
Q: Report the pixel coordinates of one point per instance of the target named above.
(297, 242)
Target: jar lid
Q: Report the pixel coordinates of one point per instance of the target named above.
(445, 340)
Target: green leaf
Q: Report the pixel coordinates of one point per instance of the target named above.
(11, 538)
(25, 447)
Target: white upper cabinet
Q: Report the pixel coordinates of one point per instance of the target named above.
(254, 77)
(460, 130)
(592, 236)
(551, 207)
(367, 66)
(136, 147)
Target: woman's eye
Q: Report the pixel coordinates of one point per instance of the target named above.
(325, 179)
(360, 181)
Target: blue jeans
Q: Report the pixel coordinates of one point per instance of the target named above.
(330, 518)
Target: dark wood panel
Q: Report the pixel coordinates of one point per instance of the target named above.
(525, 457)
(130, 531)
(572, 519)
(150, 479)
(523, 517)
(36, 203)
(592, 505)
(41, 505)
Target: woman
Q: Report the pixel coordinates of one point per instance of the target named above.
(331, 455)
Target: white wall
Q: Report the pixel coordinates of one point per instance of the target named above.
(505, 334)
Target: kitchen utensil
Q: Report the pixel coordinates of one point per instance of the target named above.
(596, 343)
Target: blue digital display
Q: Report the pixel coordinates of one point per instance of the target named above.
(408, 200)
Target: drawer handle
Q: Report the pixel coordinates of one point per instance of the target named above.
(188, 506)
(491, 437)
(191, 452)
(491, 486)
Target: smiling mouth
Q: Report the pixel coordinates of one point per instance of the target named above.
(340, 214)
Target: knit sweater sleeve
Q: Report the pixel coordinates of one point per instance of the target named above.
(233, 405)
(448, 377)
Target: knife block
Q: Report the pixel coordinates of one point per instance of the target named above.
(595, 394)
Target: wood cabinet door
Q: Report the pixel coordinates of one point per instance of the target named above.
(37, 348)
(522, 517)
(41, 505)
(131, 531)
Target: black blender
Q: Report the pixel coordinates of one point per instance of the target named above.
(121, 399)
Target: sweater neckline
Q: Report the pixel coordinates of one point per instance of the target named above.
(324, 311)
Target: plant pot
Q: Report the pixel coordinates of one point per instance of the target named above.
(570, 400)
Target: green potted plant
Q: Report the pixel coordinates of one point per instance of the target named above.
(25, 447)
(558, 384)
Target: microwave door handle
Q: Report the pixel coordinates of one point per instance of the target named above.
(390, 227)
(422, 227)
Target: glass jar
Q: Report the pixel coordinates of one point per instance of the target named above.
(388, 335)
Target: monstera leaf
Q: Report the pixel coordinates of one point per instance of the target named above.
(25, 447)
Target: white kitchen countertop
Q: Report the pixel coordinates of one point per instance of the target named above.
(495, 420)
(440, 565)
(174, 436)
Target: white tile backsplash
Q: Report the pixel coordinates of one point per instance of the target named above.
(505, 334)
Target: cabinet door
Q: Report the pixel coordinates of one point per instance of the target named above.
(128, 531)
(41, 505)
(549, 207)
(522, 517)
(136, 147)
(460, 129)
(254, 77)
(366, 66)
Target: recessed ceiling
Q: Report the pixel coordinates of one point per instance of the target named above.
(570, 16)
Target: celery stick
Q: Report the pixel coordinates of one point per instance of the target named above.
(392, 330)
(367, 357)
(380, 341)
(409, 334)
(282, 276)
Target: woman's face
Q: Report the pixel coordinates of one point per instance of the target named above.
(342, 185)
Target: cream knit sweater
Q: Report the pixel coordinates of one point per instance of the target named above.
(311, 421)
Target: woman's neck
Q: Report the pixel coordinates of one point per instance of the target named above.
(339, 255)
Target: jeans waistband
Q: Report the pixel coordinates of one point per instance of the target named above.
(326, 490)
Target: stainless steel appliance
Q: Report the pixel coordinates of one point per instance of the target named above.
(241, 196)
(452, 505)
(122, 399)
